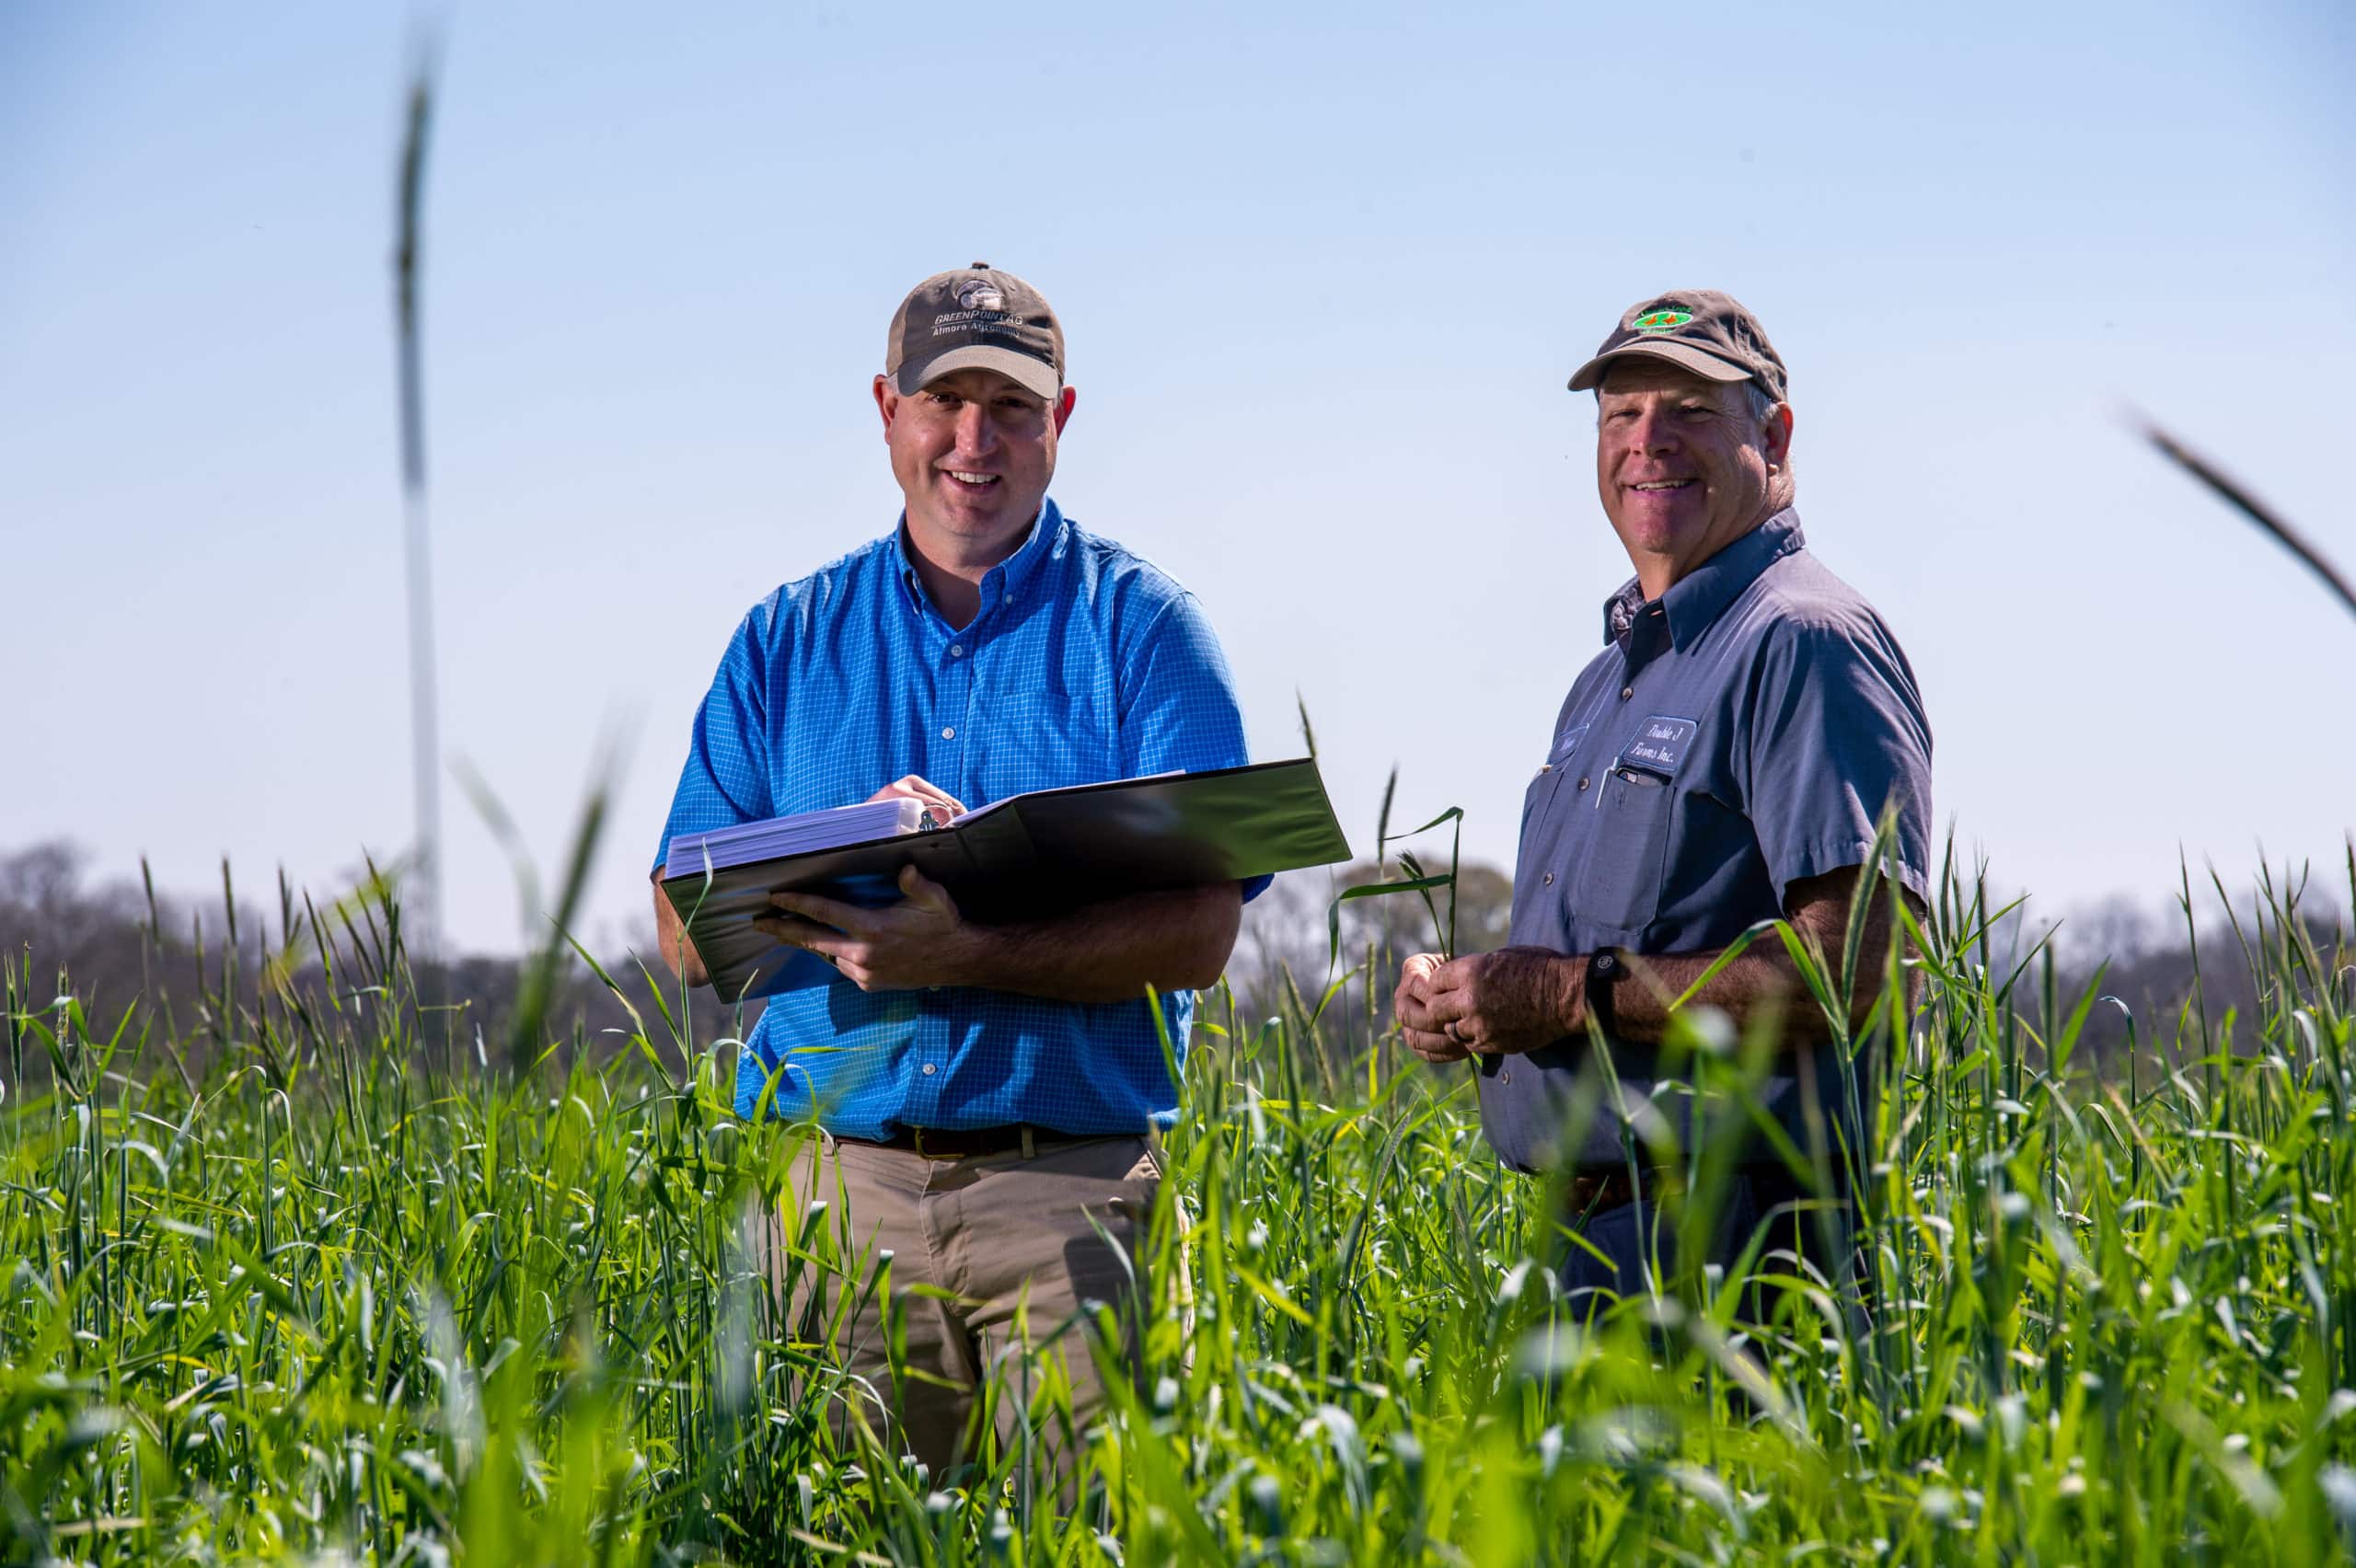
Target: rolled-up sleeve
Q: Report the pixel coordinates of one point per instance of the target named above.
(1836, 736)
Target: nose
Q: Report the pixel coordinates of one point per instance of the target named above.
(1654, 430)
(976, 435)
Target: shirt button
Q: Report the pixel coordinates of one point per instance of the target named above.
(928, 1069)
(956, 650)
(1505, 1078)
(1627, 692)
(949, 732)
(1582, 783)
(1547, 881)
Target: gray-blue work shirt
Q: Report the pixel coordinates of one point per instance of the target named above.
(1736, 734)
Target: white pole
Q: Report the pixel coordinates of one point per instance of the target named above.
(423, 901)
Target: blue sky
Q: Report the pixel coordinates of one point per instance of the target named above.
(1322, 274)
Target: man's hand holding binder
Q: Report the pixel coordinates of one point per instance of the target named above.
(939, 805)
(921, 941)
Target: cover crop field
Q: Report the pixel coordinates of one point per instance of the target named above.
(283, 1284)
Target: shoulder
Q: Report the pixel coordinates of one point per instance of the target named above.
(1801, 594)
(792, 606)
(1133, 601)
(1817, 643)
(1145, 618)
(1800, 609)
(1111, 572)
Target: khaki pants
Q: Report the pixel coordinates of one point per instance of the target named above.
(991, 1255)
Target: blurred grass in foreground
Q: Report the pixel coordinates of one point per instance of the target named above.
(333, 1301)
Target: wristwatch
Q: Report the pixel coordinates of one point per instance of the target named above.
(1605, 969)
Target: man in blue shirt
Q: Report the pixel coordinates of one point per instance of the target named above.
(985, 1093)
(1726, 759)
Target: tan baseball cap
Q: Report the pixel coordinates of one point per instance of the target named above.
(975, 318)
(1700, 331)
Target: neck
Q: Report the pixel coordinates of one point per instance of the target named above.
(956, 591)
(952, 575)
(1657, 574)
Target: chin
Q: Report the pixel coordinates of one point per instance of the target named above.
(1658, 538)
(983, 517)
(958, 506)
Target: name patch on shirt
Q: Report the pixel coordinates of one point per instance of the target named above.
(1660, 744)
(1570, 737)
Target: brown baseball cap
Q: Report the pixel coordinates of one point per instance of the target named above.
(975, 318)
(1701, 331)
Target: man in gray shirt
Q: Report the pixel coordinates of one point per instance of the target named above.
(1726, 759)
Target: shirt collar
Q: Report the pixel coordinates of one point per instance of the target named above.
(1045, 539)
(1006, 578)
(1698, 598)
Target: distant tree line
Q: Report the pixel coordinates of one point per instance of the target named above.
(2149, 967)
(184, 966)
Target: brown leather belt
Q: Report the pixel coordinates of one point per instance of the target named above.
(1600, 1191)
(964, 1142)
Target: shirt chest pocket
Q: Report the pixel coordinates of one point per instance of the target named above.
(1041, 740)
(1620, 886)
(1635, 810)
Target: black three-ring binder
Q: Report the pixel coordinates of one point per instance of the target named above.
(1026, 857)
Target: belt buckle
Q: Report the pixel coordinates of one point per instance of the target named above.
(1599, 1193)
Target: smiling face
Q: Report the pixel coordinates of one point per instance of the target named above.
(1684, 467)
(973, 452)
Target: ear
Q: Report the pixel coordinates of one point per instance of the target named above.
(1775, 440)
(1066, 401)
(887, 402)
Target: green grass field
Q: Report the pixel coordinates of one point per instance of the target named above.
(321, 1300)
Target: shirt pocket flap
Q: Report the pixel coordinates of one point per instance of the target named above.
(1565, 743)
(1658, 749)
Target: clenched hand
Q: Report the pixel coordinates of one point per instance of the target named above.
(1488, 1004)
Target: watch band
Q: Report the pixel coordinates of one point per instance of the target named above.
(1605, 969)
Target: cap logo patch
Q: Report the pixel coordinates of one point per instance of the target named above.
(980, 293)
(1662, 320)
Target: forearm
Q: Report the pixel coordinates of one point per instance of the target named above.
(1757, 981)
(1551, 990)
(1521, 998)
(1109, 951)
(1762, 978)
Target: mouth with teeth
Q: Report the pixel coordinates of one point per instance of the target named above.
(1657, 487)
(967, 481)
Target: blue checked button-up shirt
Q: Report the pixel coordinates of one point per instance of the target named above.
(1083, 664)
